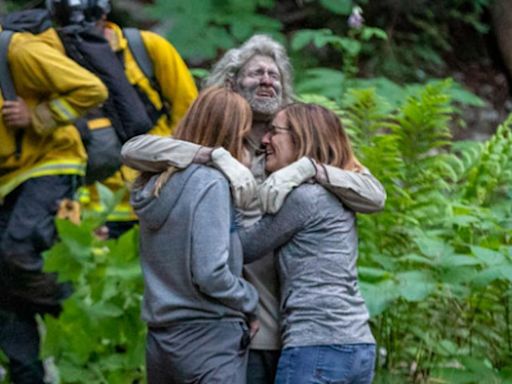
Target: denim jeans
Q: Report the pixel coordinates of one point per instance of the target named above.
(327, 364)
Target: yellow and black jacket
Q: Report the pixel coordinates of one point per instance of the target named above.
(57, 90)
(177, 87)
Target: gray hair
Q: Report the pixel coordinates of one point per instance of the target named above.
(228, 67)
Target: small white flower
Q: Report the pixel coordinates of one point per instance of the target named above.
(356, 19)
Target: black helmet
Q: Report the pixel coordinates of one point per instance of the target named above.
(95, 9)
(66, 12)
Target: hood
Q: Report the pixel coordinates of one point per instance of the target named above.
(153, 210)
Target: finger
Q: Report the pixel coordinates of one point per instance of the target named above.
(9, 111)
(249, 196)
(9, 104)
(9, 120)
(273, 193)
(274, 206)
(238, 196)
(263, 195)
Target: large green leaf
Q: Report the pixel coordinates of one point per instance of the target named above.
(415, 285)
(341, 7)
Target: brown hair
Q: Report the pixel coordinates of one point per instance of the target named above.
(218, 117)
(318, 133)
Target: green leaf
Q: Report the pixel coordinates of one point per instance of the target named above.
(415, 285)
(323, 81)
(103, 309)
(372, 274)
(379, 297)
(304, 37)
(369, 32)
(488, 256)
(340, 7)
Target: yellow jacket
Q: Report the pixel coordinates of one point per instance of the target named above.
(57, 90)
(177, 87)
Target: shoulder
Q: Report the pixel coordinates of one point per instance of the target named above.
(24, 44)
(306, 194)
(152, 39)
(44, 48)
(205, 176)
(314, 198)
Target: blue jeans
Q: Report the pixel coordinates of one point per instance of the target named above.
(327, 364)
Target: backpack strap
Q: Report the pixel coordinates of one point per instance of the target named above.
(139, 52)
(6, 84)
(141, 56)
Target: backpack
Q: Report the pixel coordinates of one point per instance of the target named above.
(34, 21)
(140, 54)
(127, 113)
(103, 145)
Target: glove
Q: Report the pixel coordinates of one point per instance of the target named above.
(155, 154)
(279, 184)
(243, 184)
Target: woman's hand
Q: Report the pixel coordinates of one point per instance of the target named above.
(279, 184)
(254, 327)
(243, 184)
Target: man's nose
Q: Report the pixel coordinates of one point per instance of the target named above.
(266, 138)
(266, 79)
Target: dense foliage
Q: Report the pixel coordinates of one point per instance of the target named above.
(435, 266)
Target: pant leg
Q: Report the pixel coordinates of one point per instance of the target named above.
(346, 363)
(262, 366)
(27, 229)
(203, 353)
(334, 364)
(297, 366)
(30, 230)
(19, 339)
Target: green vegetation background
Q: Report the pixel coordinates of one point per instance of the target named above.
(435, 266)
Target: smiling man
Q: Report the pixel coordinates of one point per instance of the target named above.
(260, 71)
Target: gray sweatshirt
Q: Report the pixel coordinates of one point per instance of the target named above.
(315, 240)
(190, 251)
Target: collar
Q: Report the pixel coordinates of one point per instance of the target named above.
(114, 34)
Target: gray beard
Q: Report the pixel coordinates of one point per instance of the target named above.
(263, 107)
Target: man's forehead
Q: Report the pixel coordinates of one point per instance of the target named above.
(260, 61)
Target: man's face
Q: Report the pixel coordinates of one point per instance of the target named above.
(259, 82)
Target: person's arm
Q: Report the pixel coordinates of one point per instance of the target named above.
(42, 70)
(172, 74)
(150, 153)
(359, 191)
(273, 231)
(210, 252)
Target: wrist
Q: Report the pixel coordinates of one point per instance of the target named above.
(203, 155)
(321, 176)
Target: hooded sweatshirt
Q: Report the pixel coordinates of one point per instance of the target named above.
(190, 251)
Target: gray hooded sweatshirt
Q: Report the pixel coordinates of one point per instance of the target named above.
(190, 251)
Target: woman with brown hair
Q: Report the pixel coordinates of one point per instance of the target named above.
(324, 320)
(196, 304)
